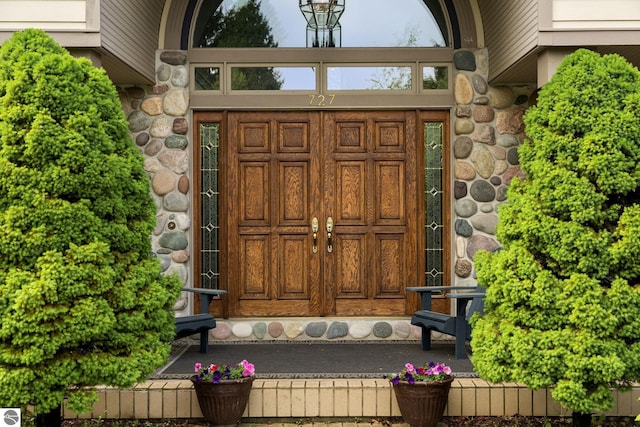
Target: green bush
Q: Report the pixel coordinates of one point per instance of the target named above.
(82, 301)
(563, 297)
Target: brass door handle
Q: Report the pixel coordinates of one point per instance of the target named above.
(314, 229)
(329, 234)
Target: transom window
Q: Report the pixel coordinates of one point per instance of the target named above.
(338, 78)
(386, 48)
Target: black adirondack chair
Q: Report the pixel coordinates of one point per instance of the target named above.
(469, 300)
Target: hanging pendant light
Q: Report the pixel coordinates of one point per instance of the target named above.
(323, 28)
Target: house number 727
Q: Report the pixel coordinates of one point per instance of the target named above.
(321, 100)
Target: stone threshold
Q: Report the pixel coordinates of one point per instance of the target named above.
(315, 328)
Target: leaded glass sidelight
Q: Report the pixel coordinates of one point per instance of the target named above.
(209, 196)
(433, 201)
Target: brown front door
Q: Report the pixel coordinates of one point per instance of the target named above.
(351, 173)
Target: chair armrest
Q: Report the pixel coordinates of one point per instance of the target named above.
(466, 295)
(213, 292)
(426, 292)
(207, 296)
(436, 289)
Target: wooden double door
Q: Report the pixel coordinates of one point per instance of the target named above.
(322, 212)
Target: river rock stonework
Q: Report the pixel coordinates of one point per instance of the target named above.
(305, 329)
(159, 124)
(485, 155)
(488, 127)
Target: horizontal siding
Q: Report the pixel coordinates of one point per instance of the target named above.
(595, 14)
(130, 31)
(510, 30)
(45, 14)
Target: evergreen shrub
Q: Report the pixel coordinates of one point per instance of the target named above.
(82, 300)
(563, 296)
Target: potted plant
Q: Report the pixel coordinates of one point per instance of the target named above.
(422, 392)
(223, 391)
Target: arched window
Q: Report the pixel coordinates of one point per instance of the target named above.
(278, 23)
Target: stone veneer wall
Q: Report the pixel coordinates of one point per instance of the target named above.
(159, 124)
(487, 130)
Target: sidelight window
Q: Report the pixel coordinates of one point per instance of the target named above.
(209, 199)
(434, 204)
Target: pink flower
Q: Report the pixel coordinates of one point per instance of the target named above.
(429, 372)
(249, 369)
(217, 373)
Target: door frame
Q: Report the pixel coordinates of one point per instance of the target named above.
(220, 307)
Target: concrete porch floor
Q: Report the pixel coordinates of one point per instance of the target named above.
(303, 398)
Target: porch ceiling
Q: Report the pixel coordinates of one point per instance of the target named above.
(526, 69)
(121, 73)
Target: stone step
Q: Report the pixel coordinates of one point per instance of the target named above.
(303, 398)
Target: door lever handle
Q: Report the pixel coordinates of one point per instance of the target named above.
(314, 229)
(329, 234)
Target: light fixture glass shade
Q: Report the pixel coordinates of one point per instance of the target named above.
(323, 29)
(324, 37)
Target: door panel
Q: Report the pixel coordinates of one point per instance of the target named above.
(254, 197)
(351, 189)
(287, 168)
(390, 261)
(352, 266)
(273, 192)
(292, 267)
(369, 189)
(254, 254)
(390, 193)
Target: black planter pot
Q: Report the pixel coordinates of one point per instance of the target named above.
(52, 418)
(422, 404)
(223, 404)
